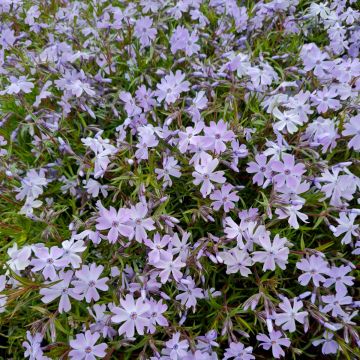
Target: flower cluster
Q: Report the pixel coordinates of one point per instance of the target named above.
(179, 179)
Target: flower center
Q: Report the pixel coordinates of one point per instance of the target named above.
(133, 315)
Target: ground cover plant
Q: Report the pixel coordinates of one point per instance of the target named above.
(179, 179)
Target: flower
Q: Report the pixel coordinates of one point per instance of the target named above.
(190, 136)
(139, 222)
(290, 314)
(352, 128)
(216, 135)
(314, 267)
(169, 266)
(133, 314)
(17, 85)
(204, 174)
(329, 346)
(84, 348)
(292, 213)
(33, 347)
(224, 197)
(156, 317)
(276, 253)
(170, 168)
(289, 174)
(288, 121)
(143, 30)
(183, 40)
(171, 87)
(236, 260)
(19, 258)
(274, 341)
(60, 289)
(176, 349)
(233, 230)
(237, 351)
(48, 260)
(116, 221)
(261, 170)
(102, 320)
(190, 293)
(71, 249)
(130, 106)
(337, 276)
(346, 226)
(88, 282)
(334, 302)
(157, 247)
(32, 185)
(325, 100)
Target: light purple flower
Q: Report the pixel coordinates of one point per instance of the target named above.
(204, 174)
(32, 185)
(88, 282)
(276, 253)
(190, 136)
(71, 249)
(346, 226)
(325, 100)
(216, 135)
(139, 222)
(183, 40)
(17, 85)
(60, 289)
(156, 317)
(169, 267)
(116, 221)
(157, 247)
(289, 174)
(274, 341)
(175, 349)
(236, 260)
(334, 302)
(171, 87)
(190, 293)
(170, 168)
(329, 346)
(352, 128)
(48, 260)
(237, 351)
(261, 170)
(224, 198)
(339, 277)
(287, 121)
(102, 320)
(133, 314)
(33, 348)
(84, 348)
(315, 267)
(144, 31)
(291, 314)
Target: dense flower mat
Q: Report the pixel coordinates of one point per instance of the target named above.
(179, 179)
